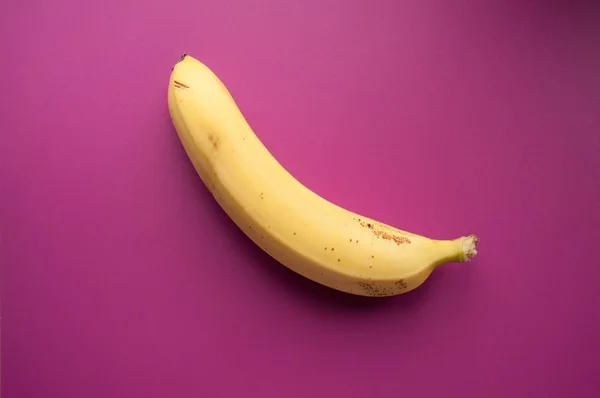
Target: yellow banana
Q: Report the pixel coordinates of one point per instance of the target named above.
(310, 235)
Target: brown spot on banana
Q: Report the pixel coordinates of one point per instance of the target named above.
(401, 285)
(215, 141)
(375, 290)
(384, 232)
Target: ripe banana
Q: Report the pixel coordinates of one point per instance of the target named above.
(310, 235)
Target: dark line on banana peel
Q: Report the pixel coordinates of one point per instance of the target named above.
(180, 85)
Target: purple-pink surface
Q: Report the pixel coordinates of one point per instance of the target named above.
(121, 277)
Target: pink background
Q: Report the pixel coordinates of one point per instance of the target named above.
(121, 277)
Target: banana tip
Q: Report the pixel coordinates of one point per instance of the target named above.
(180, 59)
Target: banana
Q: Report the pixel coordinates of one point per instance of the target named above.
(313, 237)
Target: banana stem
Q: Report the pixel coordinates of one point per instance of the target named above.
(469, 248)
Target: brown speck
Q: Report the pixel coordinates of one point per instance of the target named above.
(250, 226)
(370, 266)
(332, 249)
(350, 240)
(339, 260)
(325, 248)
(356, 241)
(216, 141)
(262, 237)
(294, 233)
(372, 256)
